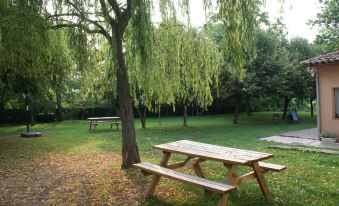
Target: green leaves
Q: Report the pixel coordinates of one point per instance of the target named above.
(183, 66)
(24, 47)
(328, 20)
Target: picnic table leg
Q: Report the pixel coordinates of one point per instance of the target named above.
(198, 170)
(156, 178)
(260, 178)
(223, 200)
(231, 177)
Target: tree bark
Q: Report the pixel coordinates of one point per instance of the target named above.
(311, 104)
(2, 111)
(185, 116)
(248, 106)
(130, 151)
(159, 116)
(285, 108)
(142, 116)
(237, 109)
(59, 113)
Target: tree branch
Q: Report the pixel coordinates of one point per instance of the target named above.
(69, 24)
(115, 7)
(108, 17)
(80, 17)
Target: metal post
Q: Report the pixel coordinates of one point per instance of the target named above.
(27, 112)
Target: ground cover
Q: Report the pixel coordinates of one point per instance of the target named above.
(71, 166)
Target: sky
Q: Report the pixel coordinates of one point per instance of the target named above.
(296, 14)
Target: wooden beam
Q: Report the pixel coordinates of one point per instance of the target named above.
(156, 178)
(231, 177)
(261, 180)
(189, 161)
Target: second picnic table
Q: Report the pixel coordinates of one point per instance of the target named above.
(94, 121)
(197, 152)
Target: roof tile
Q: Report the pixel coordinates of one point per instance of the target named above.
(331, 58)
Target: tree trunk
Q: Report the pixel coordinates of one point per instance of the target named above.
(31, 116)
(142, 116)
(59, 113)
(248, 106)
(159, 116)
(185, 116)
(237, 109)
(285, 109)
(311, 103)
(130, 151)
(2, 111)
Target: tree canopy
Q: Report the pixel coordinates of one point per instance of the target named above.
(327, 20)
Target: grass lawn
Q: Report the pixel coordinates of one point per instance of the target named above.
(71, 166)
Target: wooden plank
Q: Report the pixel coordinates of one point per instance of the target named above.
(246, 177)
(202, 155)
(212, 154)
(156, 178)
(221, 147)
(229, 153)
(186, 178)
(103, 118)
(211, 150)
(261, 180)
(240, 152)
(179, 164)
(271, 167)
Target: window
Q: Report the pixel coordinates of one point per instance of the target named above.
(336, 102)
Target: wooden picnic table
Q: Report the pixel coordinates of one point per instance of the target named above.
(94, 121)
(231, 157)
(196, 153)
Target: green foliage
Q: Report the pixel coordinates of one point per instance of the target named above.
(24, 47)
(328, 20)
(240, 21)
(184, 66)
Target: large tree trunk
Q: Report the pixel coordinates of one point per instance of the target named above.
(285, 108)
(185, 116)
(59, 113)
(311, 104)
(130, 151)
(248, 106)
(237, 109)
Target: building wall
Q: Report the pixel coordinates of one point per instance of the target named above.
(328, 80)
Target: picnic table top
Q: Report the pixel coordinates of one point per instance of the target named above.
(102, 118)
(213, 152)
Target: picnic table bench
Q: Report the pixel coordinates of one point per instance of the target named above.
(196, 153)
(94, 121)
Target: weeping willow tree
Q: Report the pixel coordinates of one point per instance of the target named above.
(110, 18)
(24, 49)
(185, 65)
